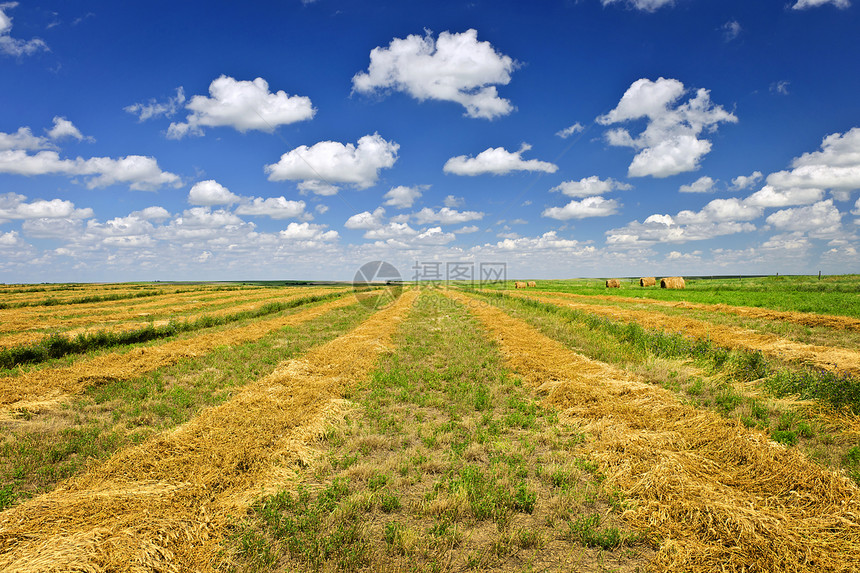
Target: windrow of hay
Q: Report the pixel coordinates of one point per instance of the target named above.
(718, 497)
(131, 319)
(165, 505)
(613, 283)
(55, 317)
(647, 281)
(802, 318)
(826, 357)
(54, 383)
(672, 282)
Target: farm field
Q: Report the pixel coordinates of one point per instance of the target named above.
(556, 428)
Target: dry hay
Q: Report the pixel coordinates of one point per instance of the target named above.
(94, 314)
(613, 283)
(718, 496)
(54, 383)
(165, 505)
(519, 284)
(647, 281)
(802, 318)
(672, 282)
(120, 322)
(532, 284)
(827, 357)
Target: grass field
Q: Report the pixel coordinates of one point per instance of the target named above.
(309, 428)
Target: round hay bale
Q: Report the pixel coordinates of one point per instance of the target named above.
(519, 284)
(613, 283)
(672, 282)
(647, 281)
(532, 284)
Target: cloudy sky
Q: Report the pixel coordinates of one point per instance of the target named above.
(297, 139)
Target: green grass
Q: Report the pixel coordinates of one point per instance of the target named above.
(830, 295)
(445, 450)
(41, 449)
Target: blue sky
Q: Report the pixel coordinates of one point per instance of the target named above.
(290, 139)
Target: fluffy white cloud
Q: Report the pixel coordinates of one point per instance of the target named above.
(856, 210)
(402, 196)
(720, 210)
(242, 105)
(64, 128)
(804, 4)
(152, 214)
(308, 232)
(670, 143)
(274, 207)
(568, 131)
(467, 229)
(769, 196)
(51, 228)
(746, 181)
(549, 241)
(446, 216)
(588, 207)
(366, 220)
(590, 186)
(145, 111)
(328, 163)
(644, 5)
(23, 139)
(434, 236)
(211, 192)
(497, 161)
(821, 220)
(205, 218)
(456, 67)
(664, 229)
(453, 201)
(701, 185)
(139, 172)
(13, 46)
(391, 230)
(12, 206)
(836, 166)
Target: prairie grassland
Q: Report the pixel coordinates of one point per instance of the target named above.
(831, 295)
(164, 504)
(718, 495)
(445, 462)
(53, 441)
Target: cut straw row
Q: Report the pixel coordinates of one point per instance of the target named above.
(827, 357)
(717, 496)
(32, 389)
(165, 505)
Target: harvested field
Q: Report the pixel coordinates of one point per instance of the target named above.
(717, 496)
(802, 318)
(28, 389)
(164, 505)
(159, 313)
(829, 358)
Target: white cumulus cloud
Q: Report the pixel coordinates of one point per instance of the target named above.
(701, 185)
(328, 163)
(588, 207)
(746, 181)
(590, 186)
(404, 197)
(13, 206)
(273, 207)
(64, 128)
(366, 219)
(821, 220)
(13, 46)
(242, 105)
(434, 236)
(568, 131)
(456, 67)
(446, 216)
(670, 143)
(153, 108)
(139, 172)
(307, 232)
(497, 161)
(211, 192)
